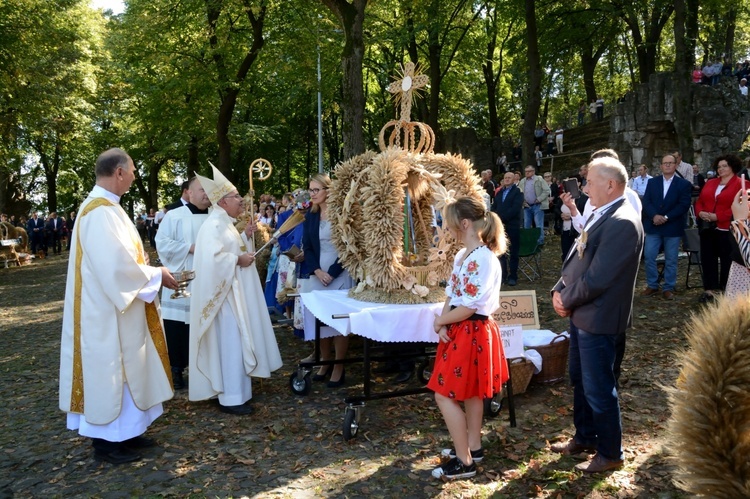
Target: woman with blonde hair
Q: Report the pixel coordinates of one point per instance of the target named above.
(321, 270)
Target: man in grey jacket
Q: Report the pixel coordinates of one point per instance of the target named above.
(596, 292)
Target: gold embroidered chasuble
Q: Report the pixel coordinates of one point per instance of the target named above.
(109, 337)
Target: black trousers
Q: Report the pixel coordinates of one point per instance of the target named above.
(716, 248)
(53, 242)
(509, 261)
(567, 238)
(178, 343)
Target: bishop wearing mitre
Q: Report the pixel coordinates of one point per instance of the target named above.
(231, 336)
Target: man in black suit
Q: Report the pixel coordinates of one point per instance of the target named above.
(596, 292)
(184, 198)
(508, 205)
(35, 228)
(54, 231)
(69, 223)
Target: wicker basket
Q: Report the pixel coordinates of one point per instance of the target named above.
(554, 360)
(521, 370)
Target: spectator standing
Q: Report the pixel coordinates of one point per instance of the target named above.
(539, 135)
(596, 292)
(714, 211)
(698, 181)
(488, 184)
(536, 200)
(581, 112)
(508, 205)
(151, 227)
(697, 74)
(641, 181)
(53, 229)
(538, 155)
(665, 206)
(684, 170)
(35, 229)
(743, 86)
(592, 110)
(69, 224)
(599, 109)
(502, 163)
(550, 143)
(559, 139)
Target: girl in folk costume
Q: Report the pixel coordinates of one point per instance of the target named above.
(470, 363)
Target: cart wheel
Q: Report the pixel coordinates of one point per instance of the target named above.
(493, 406)
(424, 371)
(351, 423)
(300, 386)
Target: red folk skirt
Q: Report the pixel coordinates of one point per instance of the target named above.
(472, 364)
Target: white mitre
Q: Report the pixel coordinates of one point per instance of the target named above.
(216, 188)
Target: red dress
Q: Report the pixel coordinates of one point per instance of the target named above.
(473, 363)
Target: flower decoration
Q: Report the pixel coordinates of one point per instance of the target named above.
(443, 197)
(420, 291)
(409, 281)
(432, 278)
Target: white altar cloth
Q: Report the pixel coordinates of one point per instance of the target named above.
(376, 321)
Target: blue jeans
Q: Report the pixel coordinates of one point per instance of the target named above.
(596, 407)
(535, 213)
(671, 250)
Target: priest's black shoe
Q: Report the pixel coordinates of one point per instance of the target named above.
(178, 381)
(139, 442)
(402, 377)
(237, 410)
(120, 455)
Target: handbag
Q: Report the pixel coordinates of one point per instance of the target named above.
(705, 225)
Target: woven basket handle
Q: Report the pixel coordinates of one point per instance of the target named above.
(558, 336)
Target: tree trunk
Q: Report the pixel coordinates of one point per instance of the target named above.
(731, 28)
(682, 83)
(229, 86)
(351, 16)
(535, 85)
(588, 66)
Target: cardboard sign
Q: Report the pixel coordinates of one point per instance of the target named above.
(517, 307)
(512, 338)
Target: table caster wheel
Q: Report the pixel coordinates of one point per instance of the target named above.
(300, 386)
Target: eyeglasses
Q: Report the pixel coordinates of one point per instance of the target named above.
(233, 196)
(316, 190)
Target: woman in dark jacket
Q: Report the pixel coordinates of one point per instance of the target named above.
(323, 271)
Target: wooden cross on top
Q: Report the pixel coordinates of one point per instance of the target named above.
(411, 80)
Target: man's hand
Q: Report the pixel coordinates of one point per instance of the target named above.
(659, 220)
(246, 259)
(250, 228)
(568, 201)
(558, 305)
(167, 279)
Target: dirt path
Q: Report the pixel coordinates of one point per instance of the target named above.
(293, 446)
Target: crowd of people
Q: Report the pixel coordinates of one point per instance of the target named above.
(45, 234)
(714, 70)
(125, 356)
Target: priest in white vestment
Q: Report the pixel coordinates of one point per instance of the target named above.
(114, 368)
(175, 242)
(231, 336)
